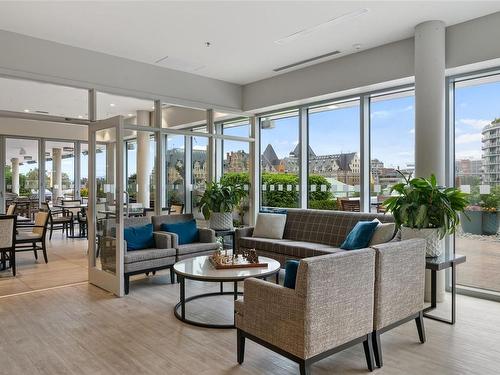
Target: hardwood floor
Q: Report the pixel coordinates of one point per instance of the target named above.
(67, 265)
(84, 330)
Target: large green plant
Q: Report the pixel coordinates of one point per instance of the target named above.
(220, 198)
(421, 203)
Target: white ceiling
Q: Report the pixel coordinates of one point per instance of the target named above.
(242, 33)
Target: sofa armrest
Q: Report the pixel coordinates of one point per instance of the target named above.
(206, 235)
(399, 280)
(273, 313)
(163, 240)
(241, 232)
(174, 239)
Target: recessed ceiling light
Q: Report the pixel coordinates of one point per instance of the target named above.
(333, 106)
(112, 105)
(26, 110)
(313, 29)
(356, 46)
(152, 107)
(80, 116)
(130, 115)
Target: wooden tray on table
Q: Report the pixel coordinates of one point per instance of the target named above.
(228, 262)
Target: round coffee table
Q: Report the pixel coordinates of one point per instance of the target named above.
(201, 269)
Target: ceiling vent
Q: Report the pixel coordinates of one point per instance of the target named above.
(302, 62)
(177, 63)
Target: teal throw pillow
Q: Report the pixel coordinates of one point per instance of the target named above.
(187, 231)
(140, 237)
(360, 236)
(291, 267)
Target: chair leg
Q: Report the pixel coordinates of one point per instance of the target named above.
(50, 235)
(127, 283)
(12, 261)
(377, 349)
(240, 346)
(420, 326)
(44, 249)
(367, 346)
(35, 252)
(304, 368)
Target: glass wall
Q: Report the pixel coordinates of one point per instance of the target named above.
(21, 174)
(199, 170)
(59, 170)
(175, 170)
(279, 160)
(477, 171)
(392, 117)
(333, 154)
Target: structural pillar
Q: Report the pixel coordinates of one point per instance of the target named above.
(56, 173)
(15, 175)
(430, 104)
(143, 162)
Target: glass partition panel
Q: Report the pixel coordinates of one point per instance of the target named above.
(175, 165)
(199, 171)
(21, 175)
(477, 172)
(392, 117)
(60, 170)
(279, 165)
(140, 151)
(333, 155)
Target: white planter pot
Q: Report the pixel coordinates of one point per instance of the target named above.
(430, 235)
(221, 220)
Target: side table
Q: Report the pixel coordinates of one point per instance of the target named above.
(438, 264)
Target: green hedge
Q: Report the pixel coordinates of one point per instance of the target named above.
(287, 199)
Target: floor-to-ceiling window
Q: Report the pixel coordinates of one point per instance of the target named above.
(236, 163)
(333, 154)
(59, 170)
(175, 170)
(477, 172)
(199, 167)
(279, 164)
(392, 143)
(21, 174)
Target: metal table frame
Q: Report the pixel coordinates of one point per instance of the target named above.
(438, 264)
(181, 305)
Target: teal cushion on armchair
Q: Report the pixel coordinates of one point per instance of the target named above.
(140, 237)
(360, 236)
(291, 267)
(187, 231)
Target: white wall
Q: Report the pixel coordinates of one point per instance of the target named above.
(27, 57)
(33, 128)
(475, 43)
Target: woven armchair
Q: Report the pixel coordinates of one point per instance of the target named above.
(330, 309)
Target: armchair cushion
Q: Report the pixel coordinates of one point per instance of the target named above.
(291, 267)
(270, 226)
(187, 232)
(139, 237)
(360, 236)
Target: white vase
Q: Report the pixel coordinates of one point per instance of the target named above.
(433, 246)
(221, 220)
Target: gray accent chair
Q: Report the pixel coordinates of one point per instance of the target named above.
(399, 288)
(330, 309)
(162, 256)
(206, 245)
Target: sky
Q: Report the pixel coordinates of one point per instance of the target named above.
(475, 107)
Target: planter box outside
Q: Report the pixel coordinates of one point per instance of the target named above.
(481, 222)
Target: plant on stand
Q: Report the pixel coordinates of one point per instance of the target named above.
(422, 209)
(218, 202)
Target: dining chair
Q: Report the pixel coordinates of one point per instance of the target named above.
(8, 241)
(349, 205)
(34, 240)
(59, 219)
(11, 210)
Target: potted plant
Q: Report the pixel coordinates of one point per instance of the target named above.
(218, 202)
(422, 209)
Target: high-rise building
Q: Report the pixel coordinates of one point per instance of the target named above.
(491, 153)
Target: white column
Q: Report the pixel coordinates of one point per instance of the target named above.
(143, 163)
(15, 175)
(430, 112)
(56, 173)
(211, 149)
(430, 100)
